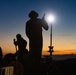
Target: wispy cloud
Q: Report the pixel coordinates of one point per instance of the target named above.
(74, 43)
(66, 35)
(70, 50)
(65, 50)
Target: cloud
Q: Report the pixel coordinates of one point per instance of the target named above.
(66, 35)
(74, 43)
(70, 50)
(65, 50)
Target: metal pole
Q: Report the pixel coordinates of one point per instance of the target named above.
(51, 35)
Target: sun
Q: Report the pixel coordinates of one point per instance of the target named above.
(50, 18)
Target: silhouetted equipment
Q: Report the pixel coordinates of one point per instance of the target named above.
(13, 68)
(9, 70)
(7, 59)
(51, 47)
(15, 45)
(18, 68)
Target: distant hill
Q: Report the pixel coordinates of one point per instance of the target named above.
(62, 57)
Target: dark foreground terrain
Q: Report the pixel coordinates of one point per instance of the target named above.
(55, 67)
(47, 67)
(63, 67)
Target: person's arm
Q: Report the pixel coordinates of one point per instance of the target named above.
(45, 25)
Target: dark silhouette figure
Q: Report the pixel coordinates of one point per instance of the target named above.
(8, 58)
(34, 32)
(1, 56)
(22, 52)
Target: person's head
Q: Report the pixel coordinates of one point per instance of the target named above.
(18, 36)
(33, 14)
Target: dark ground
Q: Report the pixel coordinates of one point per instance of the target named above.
(47, 67)
(55, 67)
(63, 67)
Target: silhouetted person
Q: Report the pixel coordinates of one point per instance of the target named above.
(22, 52)
(1, 55)
(34, 32)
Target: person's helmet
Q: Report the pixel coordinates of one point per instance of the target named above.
(33, 14)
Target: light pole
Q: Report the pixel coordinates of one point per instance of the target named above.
(51, 18)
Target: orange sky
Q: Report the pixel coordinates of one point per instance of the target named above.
(60, 46)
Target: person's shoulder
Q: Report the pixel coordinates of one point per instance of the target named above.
(39, 20)
(23, 40)
(28, 22)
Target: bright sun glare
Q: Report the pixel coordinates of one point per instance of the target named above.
(50, 18)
